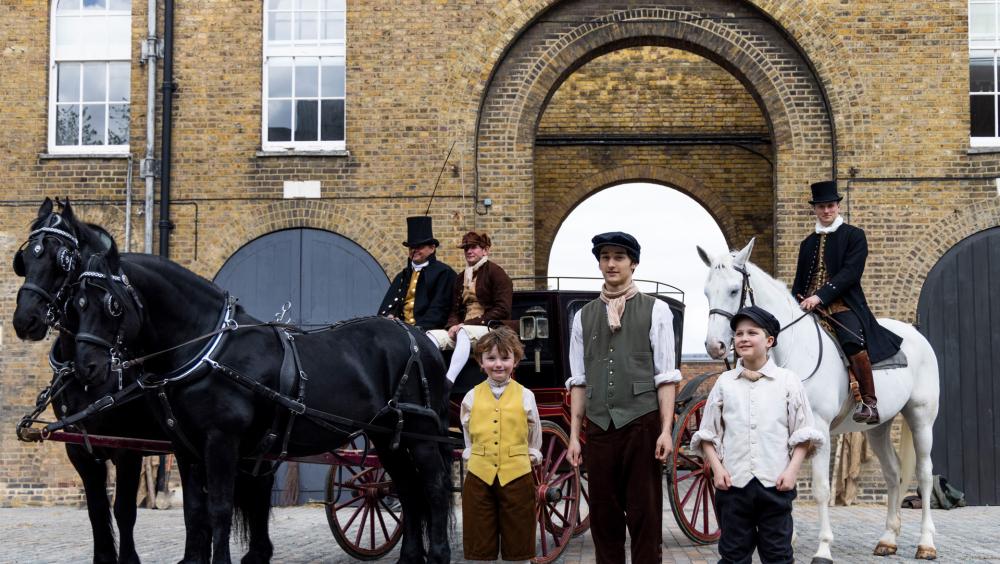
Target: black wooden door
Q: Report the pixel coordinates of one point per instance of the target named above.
(959, 312)
(325, 276)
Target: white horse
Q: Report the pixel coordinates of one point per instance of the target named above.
(812, 354)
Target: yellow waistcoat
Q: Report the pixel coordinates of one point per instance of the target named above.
(498, 429)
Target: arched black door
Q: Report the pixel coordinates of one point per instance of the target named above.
(959, 313)
(325, 276)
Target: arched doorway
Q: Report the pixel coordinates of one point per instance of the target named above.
(959, 313)
(325, 276)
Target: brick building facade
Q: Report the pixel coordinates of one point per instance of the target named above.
(738, 104)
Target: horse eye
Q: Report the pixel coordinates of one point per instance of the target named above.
(733, 293)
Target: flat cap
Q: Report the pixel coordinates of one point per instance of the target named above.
(761, 317)
(618, 239)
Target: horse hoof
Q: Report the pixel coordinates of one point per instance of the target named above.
(818, 560)
(926, 553)
(885, 549)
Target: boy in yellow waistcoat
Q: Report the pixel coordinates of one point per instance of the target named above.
(503, 439)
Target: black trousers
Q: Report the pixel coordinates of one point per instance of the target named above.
(755, 517)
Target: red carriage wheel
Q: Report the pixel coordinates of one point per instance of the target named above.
(557, 498)
(691, 490)
(363, 510)
(584, 513)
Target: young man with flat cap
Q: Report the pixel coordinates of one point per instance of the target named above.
(482, 293)
(421, 293)
(828, 276)
(623, 376)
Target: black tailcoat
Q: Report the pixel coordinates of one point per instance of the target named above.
(845, 256)
(432, 302)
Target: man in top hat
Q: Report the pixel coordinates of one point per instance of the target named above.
(421, 293)
(623, 374)
(483, 293)
(828, 276)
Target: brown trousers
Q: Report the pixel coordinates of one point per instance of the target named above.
(498, 519)
(626, 490)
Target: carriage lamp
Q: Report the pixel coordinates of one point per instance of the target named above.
(535, 326)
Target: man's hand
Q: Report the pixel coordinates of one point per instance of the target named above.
(810, 303)
(390, 316)
(721, 478)
(664, 446)
(453, 332)
(574, 453)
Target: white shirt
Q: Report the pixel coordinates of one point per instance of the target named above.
(755, 425)
(419, 267)
(820, 228)
(530, 410)
(661, 339)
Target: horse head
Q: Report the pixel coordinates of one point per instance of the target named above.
(727, 290)
(49, 261)
(108, 314)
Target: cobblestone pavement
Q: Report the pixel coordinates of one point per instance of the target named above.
(301, 534)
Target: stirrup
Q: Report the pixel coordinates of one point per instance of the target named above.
(869, 417)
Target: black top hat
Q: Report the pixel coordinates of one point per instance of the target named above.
(618, 239)
(824, 192)
(419, 232)
(761, 317)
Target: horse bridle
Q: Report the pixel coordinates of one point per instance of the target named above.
(115, 310)
(745, 290)
(67, 257)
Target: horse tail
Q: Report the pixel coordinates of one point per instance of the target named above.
(241, 511)
(907, 456)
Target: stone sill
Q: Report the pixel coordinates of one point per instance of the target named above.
(293, 153)
(55, 156)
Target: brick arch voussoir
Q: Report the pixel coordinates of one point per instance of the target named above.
(932, 246)
(546, 230)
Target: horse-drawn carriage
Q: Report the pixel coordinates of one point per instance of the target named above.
(360, 496)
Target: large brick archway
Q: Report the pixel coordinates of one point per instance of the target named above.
(731, 33)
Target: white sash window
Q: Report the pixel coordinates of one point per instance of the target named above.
(90, 71)
(304, 74)
(984, 51)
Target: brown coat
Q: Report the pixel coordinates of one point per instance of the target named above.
(494, 290)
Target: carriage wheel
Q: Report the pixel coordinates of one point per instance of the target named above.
(691, 490)
(584, 513)
(363, 510)
(557, 496)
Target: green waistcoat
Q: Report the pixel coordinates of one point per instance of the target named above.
(619, 366)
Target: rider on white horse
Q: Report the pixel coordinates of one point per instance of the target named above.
(828, 276)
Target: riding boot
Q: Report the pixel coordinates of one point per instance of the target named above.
(867, 410)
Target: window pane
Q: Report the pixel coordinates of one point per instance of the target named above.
(335, 5)
(306, 25)
(333, 25)
(279, 120)
(121, 5)
(306, 4)
(94, 82)
(93, 124)
(306, 79)
(64, 5)
(118, 82)
(279, 78)
(118, 116)
(279, 5)
(333, 120)
(68, 33)
(982, 116)
(119, 33)
(982, 20)
(305, 120)
(67, 124)
(93, 4)
(279, 26)
(333, 78)
(69, 82)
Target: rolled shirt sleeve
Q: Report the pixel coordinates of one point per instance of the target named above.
(661, 337)
(578, 375)
(711, 428)
(801, 426)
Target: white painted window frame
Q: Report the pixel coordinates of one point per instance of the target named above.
(293, 49)
(987, 44)
(84, 57)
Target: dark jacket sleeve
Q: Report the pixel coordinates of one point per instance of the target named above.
(849, 274)
(389, 307)
(502, 291)
(457, 313)
(440, 295)
(801, 272)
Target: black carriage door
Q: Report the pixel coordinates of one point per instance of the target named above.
(325, 276)
(959, 313)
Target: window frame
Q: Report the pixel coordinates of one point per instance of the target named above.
(985, 44)
(292, 48)
(53, 74)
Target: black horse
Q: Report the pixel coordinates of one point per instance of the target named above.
(360, 374)
(50, 261)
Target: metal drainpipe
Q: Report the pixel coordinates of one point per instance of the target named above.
(151, 54)
(168, 89)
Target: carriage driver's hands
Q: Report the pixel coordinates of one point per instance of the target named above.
(664, 446)
(810, 303)
(721, 478)
(574, 453)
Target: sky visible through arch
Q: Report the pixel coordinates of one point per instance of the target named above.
(668, 225)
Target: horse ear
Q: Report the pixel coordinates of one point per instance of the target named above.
(45, 209)
(743, 256)
(67, 210)
(704, 256)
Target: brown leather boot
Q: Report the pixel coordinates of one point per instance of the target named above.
(867, 410)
